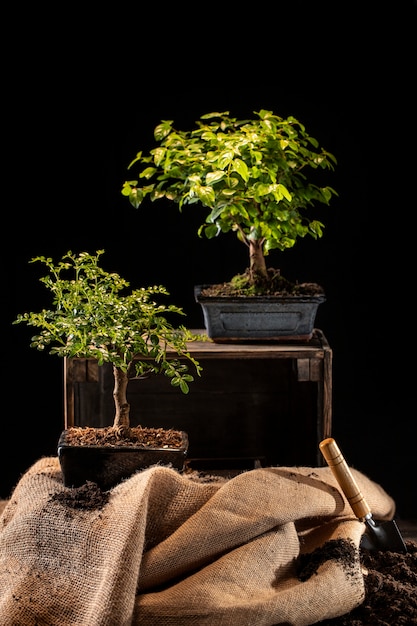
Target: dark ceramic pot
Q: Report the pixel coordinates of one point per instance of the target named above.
(107, 466)
(259, 318)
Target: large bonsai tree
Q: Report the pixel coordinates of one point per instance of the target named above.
(251, 175)
(95, 316)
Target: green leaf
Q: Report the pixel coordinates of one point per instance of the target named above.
(159, 155)
(214, 177)
(136, 197)
(206, 195)
(284, 192)
(210, 231)
(148, 172)
(184, 387)
(163, 129)
(224, 159)
(241, 168)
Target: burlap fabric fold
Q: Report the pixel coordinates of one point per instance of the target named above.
(175, 549)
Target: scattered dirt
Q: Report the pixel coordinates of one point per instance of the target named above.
(135, 436)
(390, 583)
(275, 285)
(339, 550)
(88, 497)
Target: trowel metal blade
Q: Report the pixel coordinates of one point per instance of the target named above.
(382, 536)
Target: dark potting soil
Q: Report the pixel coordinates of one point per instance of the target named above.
(390, 577)
(390, 583)
(274, 285)
(134, 436)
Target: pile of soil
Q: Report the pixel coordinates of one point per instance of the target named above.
(390, 577)
(390, 583)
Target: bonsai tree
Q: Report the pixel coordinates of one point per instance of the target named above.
(95, 316)
(250, 175)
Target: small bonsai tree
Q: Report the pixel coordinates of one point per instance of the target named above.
(251, 175)
(95, 317)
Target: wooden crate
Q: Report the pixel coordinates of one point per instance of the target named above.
(253, 401)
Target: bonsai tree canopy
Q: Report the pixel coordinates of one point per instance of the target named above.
(96, 316)
(251, 175)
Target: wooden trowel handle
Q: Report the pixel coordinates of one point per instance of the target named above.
(343, 475)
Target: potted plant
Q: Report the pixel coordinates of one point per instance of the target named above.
(252, 176)
(96, 316)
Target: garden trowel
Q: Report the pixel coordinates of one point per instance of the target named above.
(379, 535)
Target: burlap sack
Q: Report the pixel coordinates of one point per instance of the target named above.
(174, 549)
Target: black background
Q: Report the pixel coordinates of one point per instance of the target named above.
(82, 93)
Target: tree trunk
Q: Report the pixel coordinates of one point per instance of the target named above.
(257, 265)
(122, 407)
